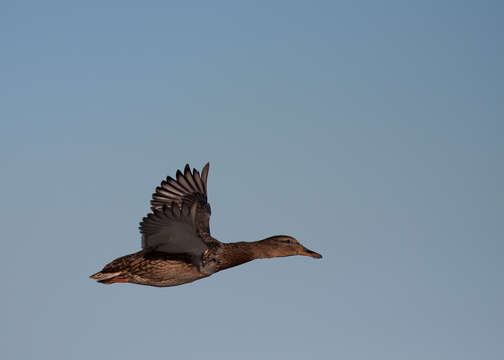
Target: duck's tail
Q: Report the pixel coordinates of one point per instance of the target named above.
(109, 277)
(117, 270)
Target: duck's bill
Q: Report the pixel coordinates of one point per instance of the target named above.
(308, 252)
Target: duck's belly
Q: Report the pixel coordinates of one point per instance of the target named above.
(169, 281)
(164, 273)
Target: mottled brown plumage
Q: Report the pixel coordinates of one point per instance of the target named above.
(177, 247)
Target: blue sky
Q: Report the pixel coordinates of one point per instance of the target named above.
(372, 132)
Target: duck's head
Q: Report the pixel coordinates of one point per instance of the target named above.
(283, 245)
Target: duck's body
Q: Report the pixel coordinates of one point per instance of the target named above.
(176, 241)
(155, 269)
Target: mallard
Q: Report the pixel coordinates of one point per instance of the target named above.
(177, 247)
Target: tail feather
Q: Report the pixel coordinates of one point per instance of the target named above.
(107, 278)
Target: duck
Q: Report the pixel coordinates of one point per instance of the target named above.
(177, 247)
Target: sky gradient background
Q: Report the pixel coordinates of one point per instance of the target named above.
(371, 131)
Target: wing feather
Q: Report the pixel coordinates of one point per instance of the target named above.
(174, 203)
(183, 182)
(172, 182)
(199, 183)
(204, 175)
(190, 179)
(172, 230)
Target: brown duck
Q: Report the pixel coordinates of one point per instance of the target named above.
(176, 244)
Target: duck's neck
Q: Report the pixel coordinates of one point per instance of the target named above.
(237, 253)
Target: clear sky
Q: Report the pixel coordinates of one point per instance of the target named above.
(371, 131)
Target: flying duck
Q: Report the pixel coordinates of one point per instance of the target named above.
(177, 247)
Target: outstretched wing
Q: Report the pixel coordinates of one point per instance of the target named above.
(179, 222)
(188, 188)
(172, 230)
